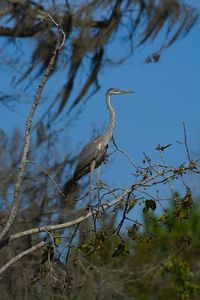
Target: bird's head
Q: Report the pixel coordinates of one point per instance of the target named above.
(115, 91)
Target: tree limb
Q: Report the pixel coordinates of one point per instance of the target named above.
(161, 177)
(74, 222)
(21, 255)
(19, 180)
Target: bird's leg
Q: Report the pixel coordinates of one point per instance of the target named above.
(92, 166)
(98, 184)
(98, 178)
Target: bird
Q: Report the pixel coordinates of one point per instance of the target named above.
(95, 153)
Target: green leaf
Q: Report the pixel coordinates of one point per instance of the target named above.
(87, 247)
(57, 240)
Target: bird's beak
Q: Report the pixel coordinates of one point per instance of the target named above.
(126, 92)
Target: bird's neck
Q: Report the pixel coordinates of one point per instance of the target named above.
(109, 131)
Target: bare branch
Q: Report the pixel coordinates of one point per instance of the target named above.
(49, 228)
(21, 255)
(19, 180)
(149, 180)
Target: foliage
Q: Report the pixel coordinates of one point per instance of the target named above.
(181, 280)
(90, 27)
(138, 257)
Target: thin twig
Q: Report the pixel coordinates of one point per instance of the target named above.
(18, 184)
(60, 30)
(70, 245)
(127, 156)
(52, 241)
(123, 216)
(48, 174)
(185, 142)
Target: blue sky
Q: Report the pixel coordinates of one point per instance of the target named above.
(166, 94)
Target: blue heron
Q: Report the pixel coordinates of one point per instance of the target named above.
(94, 153)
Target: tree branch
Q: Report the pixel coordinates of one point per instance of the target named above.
(74, 222)
(21, 255)
(18, 184)
(148, 180)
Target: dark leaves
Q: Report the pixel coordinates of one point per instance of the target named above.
(162, 148)
(133, 231)
(149, 204)
(121, 250)
(152, 58)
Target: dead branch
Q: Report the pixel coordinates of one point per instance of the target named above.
(17, 189)
(49, 228)
(20, 256)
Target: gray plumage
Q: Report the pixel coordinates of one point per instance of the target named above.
(90, 153)
(95, 152)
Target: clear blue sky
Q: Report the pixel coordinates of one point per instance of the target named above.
(166, 94)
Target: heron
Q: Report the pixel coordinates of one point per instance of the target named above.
(95, 153)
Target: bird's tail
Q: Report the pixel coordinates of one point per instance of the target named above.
(71, 191)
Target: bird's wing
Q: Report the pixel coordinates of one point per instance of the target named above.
(89, 153)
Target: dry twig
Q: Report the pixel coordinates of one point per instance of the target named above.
(17, 189)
